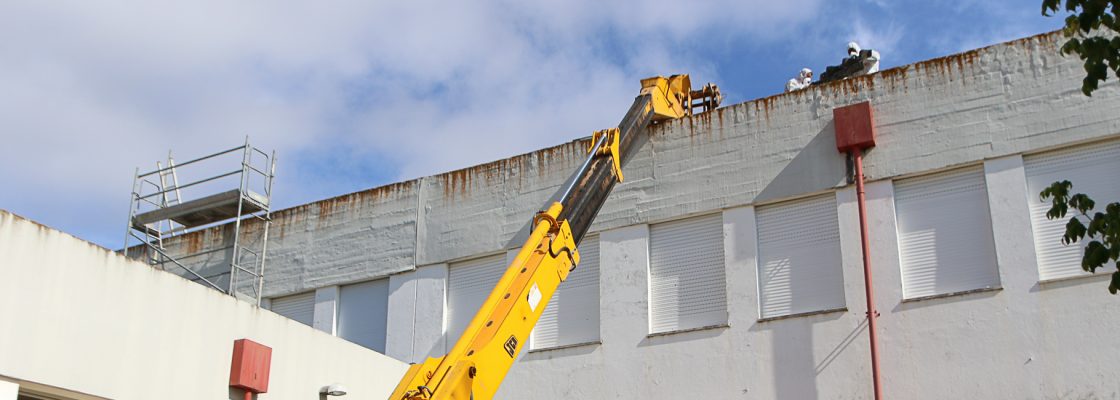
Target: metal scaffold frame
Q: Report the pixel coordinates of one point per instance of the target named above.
(158, 213)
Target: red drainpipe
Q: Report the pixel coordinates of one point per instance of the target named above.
(872, 313)
(855, 132)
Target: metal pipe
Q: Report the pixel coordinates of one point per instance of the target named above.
(231, 173)
(131, 211)
(158, 170)
(592, 183)
(872, 313)
(235, 257)
(267, 222)
(575, 178)
(257, 170)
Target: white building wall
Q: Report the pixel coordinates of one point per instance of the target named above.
(987, 106)
(819, 356)
(326, 309)
(82, 319)
(417, 309)
(9, 389)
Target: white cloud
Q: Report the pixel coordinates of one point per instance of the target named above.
(90, 90)
(883, 36)
(880, 3)
(989, 23)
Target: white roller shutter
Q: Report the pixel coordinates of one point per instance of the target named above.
(363, 312)
(300, 307)
(687, 283)
(799, 257)
(572, 316)
(468, 284)
(1094, 170)
(945, 233)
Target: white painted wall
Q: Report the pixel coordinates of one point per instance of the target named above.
(81, 318)
(1027, 340)
(9, 388)
(999, 344)
(416, 314)
(326, 309)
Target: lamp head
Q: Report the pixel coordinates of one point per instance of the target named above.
(334, 389)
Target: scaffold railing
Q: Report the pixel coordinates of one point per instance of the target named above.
(235, 201)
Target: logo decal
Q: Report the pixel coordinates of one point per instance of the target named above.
(511, 346)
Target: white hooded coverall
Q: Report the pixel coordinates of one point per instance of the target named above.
(803, 80)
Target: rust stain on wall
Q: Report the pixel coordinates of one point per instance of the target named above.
(459, 183)
(194, 243)
(719, 117)
(546, 158)
(701, 124)
(896, 77)
(293, 216)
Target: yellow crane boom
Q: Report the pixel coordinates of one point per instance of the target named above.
(480, 359)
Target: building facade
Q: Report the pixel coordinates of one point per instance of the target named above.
(729, 263)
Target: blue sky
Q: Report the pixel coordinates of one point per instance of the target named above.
(357, 94)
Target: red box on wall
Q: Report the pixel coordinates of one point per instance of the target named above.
(251, 363)
(855, 127)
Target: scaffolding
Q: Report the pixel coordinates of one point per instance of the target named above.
(162, 208)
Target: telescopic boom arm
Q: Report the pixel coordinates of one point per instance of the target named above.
(479, 361)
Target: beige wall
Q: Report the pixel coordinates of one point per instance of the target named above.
(81, 318)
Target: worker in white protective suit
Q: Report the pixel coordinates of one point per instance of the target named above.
(803, 80)
(870, 58)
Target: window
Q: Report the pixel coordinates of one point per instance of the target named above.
(363, 312)
(300, 307)
(1094, 170)
(945, 233)
(572, 316)
(468, 285)
(687, 285)
(799, 267)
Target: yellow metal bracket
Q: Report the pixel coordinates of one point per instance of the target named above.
(567, 244)
(673, 97)
(610, 148)
(559, 234)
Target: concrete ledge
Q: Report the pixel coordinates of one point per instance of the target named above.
(567, 346)
(804, 314)
(953, 294)
(702, 328)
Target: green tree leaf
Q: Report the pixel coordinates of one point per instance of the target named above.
(1095, 255)
(1114, 286)
(1082, 203)
(1074, 231)
(1090, 30)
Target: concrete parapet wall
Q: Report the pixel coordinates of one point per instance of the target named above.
(1010, 98)
(93, 324)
